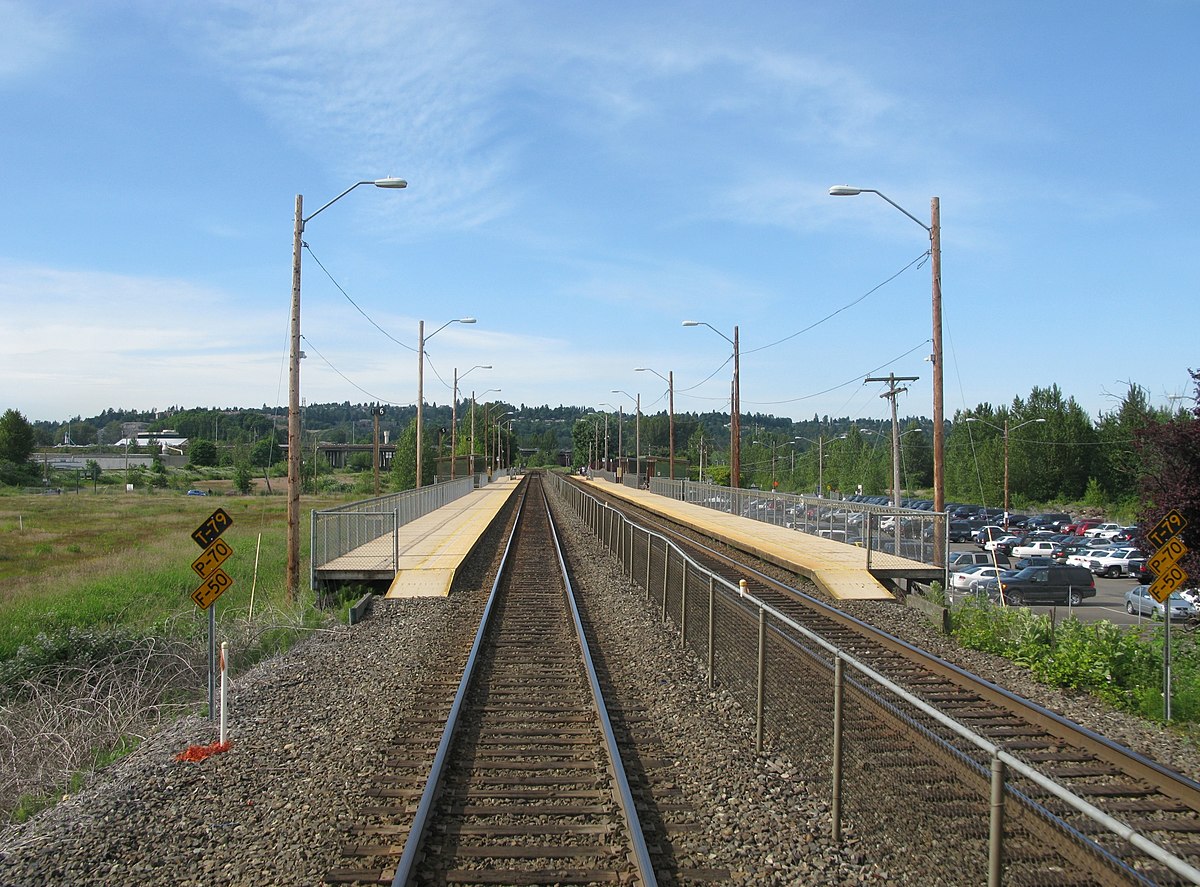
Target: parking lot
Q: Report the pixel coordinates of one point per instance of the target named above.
(1109, 602)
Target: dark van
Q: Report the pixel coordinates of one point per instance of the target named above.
(1052, 584)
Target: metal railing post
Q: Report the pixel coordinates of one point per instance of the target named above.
(649, 550)
(996, 825)
(711, 629)
(683, 608)
(666, 580)
(835, 802)
(762, 680)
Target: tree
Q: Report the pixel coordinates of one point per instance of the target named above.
(16, 438)
(1170, 476)
(262, 453)
(1117, 464)
(243, 476)
(404, 462)
(202, 453)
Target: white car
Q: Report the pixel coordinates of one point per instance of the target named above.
(964, 580)
(1085, 556)
(1034, 547)
(1104, 531)
(1003, 543)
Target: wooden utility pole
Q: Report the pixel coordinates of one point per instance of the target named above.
(890, 394)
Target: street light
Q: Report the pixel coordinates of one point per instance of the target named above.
(421, 339)
(637, 432)
(934, 229)
(610, 407)
(775, 445)
(293, 482)
(471, 458)
(670, 380)
(498, 423)
(454, 416)
(735, 407)
(820, 442)
(1005, 429)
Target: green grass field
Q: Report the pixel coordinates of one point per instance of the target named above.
(111, 558)
(100, 640)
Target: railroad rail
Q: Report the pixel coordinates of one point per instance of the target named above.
(916, 750)
(526, 784)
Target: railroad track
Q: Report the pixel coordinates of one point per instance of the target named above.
(526, 784)
(1050, 842)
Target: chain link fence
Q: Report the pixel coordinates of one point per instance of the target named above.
(885, 533)
(347, 531)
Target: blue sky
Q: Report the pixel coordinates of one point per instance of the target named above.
(582, 178)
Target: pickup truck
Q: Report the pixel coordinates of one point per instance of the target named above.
(1104, 531)
(1117, 562)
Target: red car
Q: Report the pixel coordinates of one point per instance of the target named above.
(1081, 526)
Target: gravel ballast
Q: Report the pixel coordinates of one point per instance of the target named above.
(309, 725)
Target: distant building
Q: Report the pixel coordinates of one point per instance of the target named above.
(165, 441)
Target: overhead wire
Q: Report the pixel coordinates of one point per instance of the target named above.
(357, 308)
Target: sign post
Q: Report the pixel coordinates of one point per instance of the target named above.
(215, 582)
(1168, 577)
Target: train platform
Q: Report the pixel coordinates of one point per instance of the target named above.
(433, 548)
(840, 570)
(424, 557)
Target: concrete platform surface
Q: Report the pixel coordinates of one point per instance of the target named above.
(837, 568)
(433, 548)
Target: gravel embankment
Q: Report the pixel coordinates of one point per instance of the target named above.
(308, 725)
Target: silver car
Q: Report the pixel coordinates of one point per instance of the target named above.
(1139, 601)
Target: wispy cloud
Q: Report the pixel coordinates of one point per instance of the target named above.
(32, 37)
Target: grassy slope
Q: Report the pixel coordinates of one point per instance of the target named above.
(109, 557)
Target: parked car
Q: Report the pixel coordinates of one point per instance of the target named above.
(1031, 547)
(1002, 544)
(1116, 562)
(1063, 550)
(1103, 531)
(1085, 554)
(197, 492)
(1049, 520)
(1139, 601)
(960, 560)
(988, 532)
(1037, 560)
(1127, 534)
(1053, 584)
(969, 580)
(960, 531)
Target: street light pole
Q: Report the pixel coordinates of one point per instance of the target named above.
(421, 340)
(670, 380)
(293, 481)
(934, 229)
(637, 432)
(1005, 429)
(735, 406)
(454, 417)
